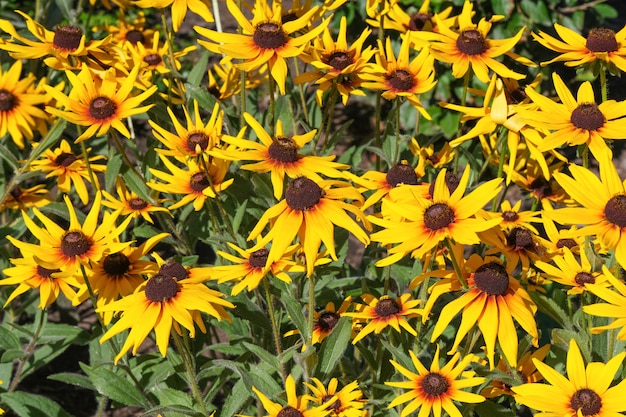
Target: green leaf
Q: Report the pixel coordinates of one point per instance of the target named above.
(172, 411)
(115, 387)
(70, 378)
(264, 355)
(8, 156)
(114, 164)
(199, 70)
(294, 308)
(58, 332)
(31, 405)
(51, 138)
(67, 9)
(333, 348)
(205, 99)
(239, 394)
(8, 340)
(136, 184)
(605, 11)
(11, 354)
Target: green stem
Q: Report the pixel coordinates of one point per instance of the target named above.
(329, 120)
(275, 329)
(377, 137)
(455, 263)
(397, 153)
(603, 87)
(272, 114)
(189, 364)
(311, 316)
(29, 351)
(301, 89)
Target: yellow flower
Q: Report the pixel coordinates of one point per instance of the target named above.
(613, 307)
(326, 320)
(179, 9)
(150, 57)
(348, 403)
(130, 204)
(435, 389)
(99, 103)
(264, 39)
(420, 20)
(18, 104)
(297, 406)
(586, 391)
(23, 198)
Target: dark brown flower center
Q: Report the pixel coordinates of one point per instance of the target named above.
(566, 242)
(289, 411)
(161, 288)
(334, 407)
(75, 243)
(615, 210)
(434, 384)
(387, 307)
(269, 35)
(116, 264)
(134, 36)
(438, 216)
(601, 40)
(583, 278)
(452, 181)
(174, 269)
(492, 278)
(510, 216)
(65, 159)
(471, 42)
(339, 60)
(283, 149)
(7, 100)
(137, 203)
(401, 80)
(45, 272)
(258, 258)
(541, 187)
(516, 96)
(419, 20)
(102, 108)
(587, 401)
(587, 116)
(401, 173)
(152, 59)
(327, 321)
(16, 193)
(520, 238)
(303, 194)
(199, 182)
(197, 139)
(67, 37)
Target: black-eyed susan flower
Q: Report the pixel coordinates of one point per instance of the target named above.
(193, 139)
(130, 203)
(513, 216)
(279, 155)
(264, 40)
(69, 168)
(492, 301)
(335, 64)
(437, 388)
(568, 271)
(194, 182)
(22, 198)
(224, 79)
(424, 223)
(179, 9)
(519, 244)
(66, 249)
(576, 121)
(133, 31)
(421, 19)
(324, 321)
(29, 275)
(558, 239)
(250, 267)
(586, 391)
(380, 313)
(601, 45)
(429, 156)
(349, 402)
(603, 201)
(19, 109)
(524, 373)
(64, 48)
(544, 189)
(310, 210)
(614, 305)
(160, 304)
(118, 274)
(401, 76)
(471, 48)
(297, 406)
(100, 103)
(150, 57)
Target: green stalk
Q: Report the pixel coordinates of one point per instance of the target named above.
(275, 329)
(189, 364)
(29, 351)
(272, 114)
(329, 120)
(455, 263)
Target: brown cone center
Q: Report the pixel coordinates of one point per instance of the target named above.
(387, 307)
(67, 37)
(339, 60)
(471, 42)
(615, 210)
(434, 384)
(197, 139)
(520, 238)
(601, 40)
(492, 278)
(65, 159)
(401, 174)
(289, 411)
(587, 401)
(334, 407)
(75, 243)
(45, 272)
(419, 20)
(174, 269)
(116, 264)
(7, 100)
(137, 203)
(199, 182)
(583, 278)
(541, 187)
(303, 194)
(452, 181)
(102, 108)
(134, 36)
(283, 149)
(161, 288)
(258, 258)
(566, 242)
(438, 216)
(401, 80)
(269, 35)
(510, 216)
(587, 116)
(152, 59)
(327, 321)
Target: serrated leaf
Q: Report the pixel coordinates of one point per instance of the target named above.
(552, 309)
(31, 405)
(113, 386)
(239, 394)
(264, 355)
(205, 99)
(333, 348)
(71, 378)
(294, 308)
